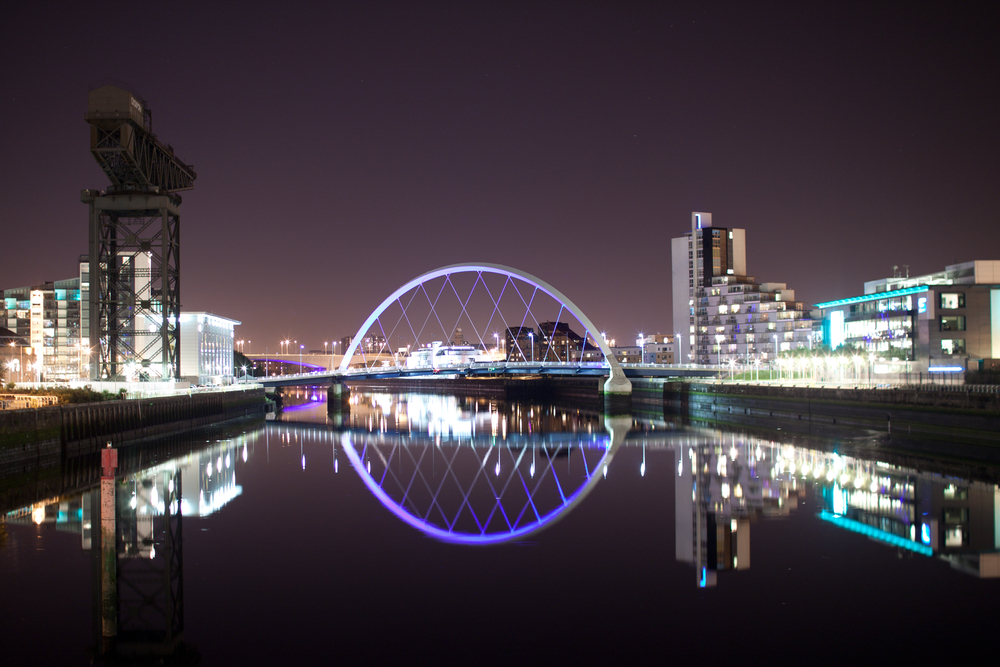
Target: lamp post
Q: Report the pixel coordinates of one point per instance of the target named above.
(300, 358)
(531, 335)
(775, 360)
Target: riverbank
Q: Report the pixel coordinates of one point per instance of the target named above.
(51, 437)
(961, 426)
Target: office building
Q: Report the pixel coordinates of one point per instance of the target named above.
(944, 320)
(207, 348)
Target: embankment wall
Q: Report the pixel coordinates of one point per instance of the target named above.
(43, 438)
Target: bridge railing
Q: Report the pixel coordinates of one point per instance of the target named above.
(499, 365)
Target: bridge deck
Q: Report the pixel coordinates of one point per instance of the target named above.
(487, 369)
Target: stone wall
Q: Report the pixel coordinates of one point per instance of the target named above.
(951, 416)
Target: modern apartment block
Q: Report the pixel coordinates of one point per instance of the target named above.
(47, 316)
(53, 319)
(656, 348)
(721, 315)
(949, 319)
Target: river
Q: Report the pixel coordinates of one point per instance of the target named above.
(417, 528)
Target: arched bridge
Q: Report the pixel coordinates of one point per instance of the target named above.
(474, 319)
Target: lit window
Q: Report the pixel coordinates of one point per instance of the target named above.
(952, 301)
(953, 346)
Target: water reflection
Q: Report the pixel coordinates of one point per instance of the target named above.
(481, 491)
(480, 472)
(132, 523)
(724, 482)
(462, 417)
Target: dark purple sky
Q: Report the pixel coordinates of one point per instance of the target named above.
(344, 148)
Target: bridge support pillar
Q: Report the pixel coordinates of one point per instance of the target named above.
(617, 393)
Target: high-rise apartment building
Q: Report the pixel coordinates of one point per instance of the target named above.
(721, 315)
(47, 316)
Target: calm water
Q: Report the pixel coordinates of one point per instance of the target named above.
(434, 529)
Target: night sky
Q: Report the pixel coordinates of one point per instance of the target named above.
(344, 148)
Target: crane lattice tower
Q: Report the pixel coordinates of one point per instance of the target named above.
(134, 295)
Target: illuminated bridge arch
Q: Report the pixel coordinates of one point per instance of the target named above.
(481, 300)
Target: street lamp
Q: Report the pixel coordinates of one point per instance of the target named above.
(531, 335)
(300, 358)
(284, 352)
(775, 355)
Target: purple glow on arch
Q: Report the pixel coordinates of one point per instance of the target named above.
(466, 538)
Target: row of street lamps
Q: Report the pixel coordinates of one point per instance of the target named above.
(285, 347)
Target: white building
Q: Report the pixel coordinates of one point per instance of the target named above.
(721, 315)
(207, 348)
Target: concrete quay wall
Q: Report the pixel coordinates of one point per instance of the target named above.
(947, 414)
(43, 438)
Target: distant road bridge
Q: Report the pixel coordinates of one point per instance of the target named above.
(479, 320)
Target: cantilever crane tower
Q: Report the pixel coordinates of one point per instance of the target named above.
(134, 296)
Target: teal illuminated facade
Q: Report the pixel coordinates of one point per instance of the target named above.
(949, 319)
(48, 317)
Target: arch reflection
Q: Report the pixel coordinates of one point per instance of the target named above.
(479, 492)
